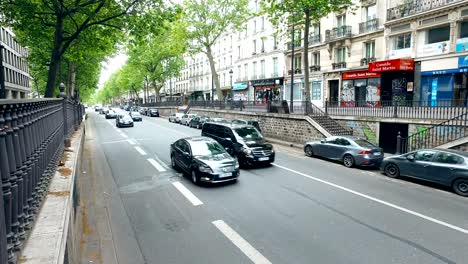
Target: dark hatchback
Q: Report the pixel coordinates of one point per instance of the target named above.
(247, 122)
(198, 121)
(153, 112)
(442, 166)
(204, 159)
(124, 120)
(242, 141)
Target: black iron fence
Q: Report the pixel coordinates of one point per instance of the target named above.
(434, 136)
(439, 110)
(33, 134)
(163, 104)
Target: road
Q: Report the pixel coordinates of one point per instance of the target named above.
(299, 210)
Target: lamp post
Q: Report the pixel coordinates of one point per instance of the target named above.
(2, 75)
(291, 107)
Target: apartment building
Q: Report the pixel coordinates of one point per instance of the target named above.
(15, 67)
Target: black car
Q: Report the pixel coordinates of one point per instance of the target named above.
(204, 159)
(153, 112)
(198, 121)
(124, 120)
(443, 166)
(247, 122)
(136, 116)
(243, 141)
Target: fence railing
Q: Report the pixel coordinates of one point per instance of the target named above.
(440, 109)
(434, 136)
(163, 104)
(33, 134)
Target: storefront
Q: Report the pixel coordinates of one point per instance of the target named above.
(397, 79)
(240, 91)
(360, 87)
(445, 87)
(267, 90)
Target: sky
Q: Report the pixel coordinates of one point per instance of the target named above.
(109, 67)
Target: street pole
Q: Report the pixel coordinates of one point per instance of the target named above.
(2, 75)
(291, 107)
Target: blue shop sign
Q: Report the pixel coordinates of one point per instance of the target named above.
(240, 86)
(462, 61)
(442, 72)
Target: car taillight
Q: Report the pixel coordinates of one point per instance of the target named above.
(364, 152)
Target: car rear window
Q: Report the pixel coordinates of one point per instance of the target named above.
(364, 143)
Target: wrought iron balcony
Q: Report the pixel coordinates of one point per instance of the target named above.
(338, 33)
(368, 2)
(415, 7)
(314, 39)
(314, 68)
(296, 45)
(296, 71)
(366, 61)
(339, 65)
(369, 26)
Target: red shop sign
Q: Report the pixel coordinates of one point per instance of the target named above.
(359, 75)
(392, 65)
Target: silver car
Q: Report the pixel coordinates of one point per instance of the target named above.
(352, 151)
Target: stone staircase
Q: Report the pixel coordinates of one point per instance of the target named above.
(329, 124)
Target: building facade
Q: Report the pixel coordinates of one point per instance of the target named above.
(15, 67)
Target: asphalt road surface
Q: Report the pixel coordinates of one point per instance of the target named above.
(299, 210)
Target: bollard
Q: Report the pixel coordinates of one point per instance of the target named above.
(398, 146)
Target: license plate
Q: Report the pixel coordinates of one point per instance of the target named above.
(377, 153)
(227, 174)
(263, 158)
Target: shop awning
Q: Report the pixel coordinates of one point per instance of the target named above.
(359, 75)
(392, 65)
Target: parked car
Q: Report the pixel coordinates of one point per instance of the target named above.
(153, 112)
(242, 141)
(186, 119)
(103, 110)
(247, 122)
(352, 151)
(442, 166)
(204, 159)
(136, 116)
(124, 120)
(142, 110)
(198, 121)
(97, 108)
(111, 114)
(175, 117)
(218, 120)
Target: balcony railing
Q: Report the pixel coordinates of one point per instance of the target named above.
(415, 7)
(338, 33)
(314, 39)
(339, 65)
(369, 26)
(314, 68)
(296, 45)
(366, 61)
(296, 71)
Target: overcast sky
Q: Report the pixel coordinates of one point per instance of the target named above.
(112, 65)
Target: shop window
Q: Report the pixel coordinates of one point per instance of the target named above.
(370, 49)
(316, 88)
(464, 29)
(340, 54)
(402, 41)
(435, 35)
(297, 91)
(437, 90)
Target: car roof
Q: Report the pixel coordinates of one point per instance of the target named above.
(458, 152)
(349, 137)
(199, 139)
(230, 125)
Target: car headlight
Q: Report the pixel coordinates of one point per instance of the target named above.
(205, 169)
(246, 151)
(237, 164)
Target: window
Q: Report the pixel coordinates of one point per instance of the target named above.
(448, 158)
(238, 52)
(255, 26)
(275, 67)
(254, 46)
(316, 90)
(316, 58)
(342, 142)
(297, 62)
(371, 12)
(340, 20)
(204, 148)
(262, 68)
(262, 19)
(246, 71)
(263, 45)
(275, 41)
(340, 55)
(230, 60)
(425, 155)
(464, 29)
(402, 41)
(239, 71)
(254, 70)
(435, 35)
(369, 49)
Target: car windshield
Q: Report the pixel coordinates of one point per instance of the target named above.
(135, 114)
(206, 148)
(126, 118)
(248, 133)
(364, 143)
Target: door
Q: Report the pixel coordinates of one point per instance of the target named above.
(327, 148)
(333, 90)
(183, 155)
(388, 134)
(445, 167)
(340, 148)
(419, 167)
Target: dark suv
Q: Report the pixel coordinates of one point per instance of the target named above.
(243, 141)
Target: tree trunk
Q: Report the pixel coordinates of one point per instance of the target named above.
(55, 58)
(306, 56)
(214, 74)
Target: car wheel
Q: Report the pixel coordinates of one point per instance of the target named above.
(348, 161)
(392, 170)
(195, 178)
(174, 164)
(309, 151)
(460, 187)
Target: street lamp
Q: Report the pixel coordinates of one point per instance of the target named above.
(2, 75)
(230, 75)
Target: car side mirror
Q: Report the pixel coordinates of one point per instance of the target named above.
(410, 157)
(228, 139)
(322, 141)
(186, 153)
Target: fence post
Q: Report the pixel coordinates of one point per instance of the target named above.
(326, 107)
(398, 143)
(63, 95)
(395, 110)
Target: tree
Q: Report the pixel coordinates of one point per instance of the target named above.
(303, 11)
(66, 21)
(207, 20)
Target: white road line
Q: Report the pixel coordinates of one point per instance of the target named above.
(123, 135)
(140, 150)
(131, 142)
(428, 218)
(115, 141)
(242, 244)
(162, 162)
(156, 165)
(187, 193)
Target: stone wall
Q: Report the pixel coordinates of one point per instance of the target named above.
(364, 129)
(290, 128)
(167, 111)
